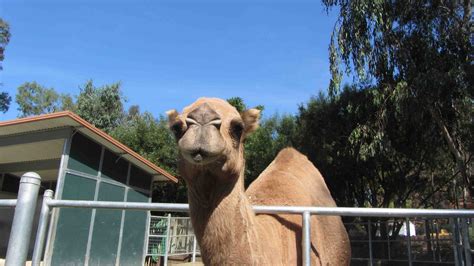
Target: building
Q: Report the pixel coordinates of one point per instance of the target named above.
(79, 162)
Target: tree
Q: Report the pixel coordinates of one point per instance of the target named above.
(363, 172)
(403, 167)
(101, 106)
(416, 52)
(34, 99)
(240, 105)
(5, 99)
(152, 139)
(261, 147)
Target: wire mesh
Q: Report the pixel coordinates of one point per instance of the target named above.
(430, 242)
(180, 236)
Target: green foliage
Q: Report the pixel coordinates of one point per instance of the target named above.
(240, 105)
(5, 99)
(34, 99)
(4, 38)
(149, 137)
(363, 168)
(101, 106)
(152, 139)
(67, 102)
(417, 57)
(263, 145)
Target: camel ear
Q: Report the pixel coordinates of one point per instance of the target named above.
(172, 116)
(250, 118)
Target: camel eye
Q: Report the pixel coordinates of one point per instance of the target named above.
(178, 129)
(236, 129)
(217, 123)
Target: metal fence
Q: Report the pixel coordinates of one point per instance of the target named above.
(373, 241)
(30, 182)
(171, 236)
(417, 241)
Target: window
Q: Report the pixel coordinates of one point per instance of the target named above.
(10, 183)
(114, 167)
(140, 178)
(84, 155)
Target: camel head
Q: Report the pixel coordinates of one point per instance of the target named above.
(210, 135)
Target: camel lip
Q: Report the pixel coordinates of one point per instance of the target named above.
(199, 158)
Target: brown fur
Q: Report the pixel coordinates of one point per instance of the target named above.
(227, 229)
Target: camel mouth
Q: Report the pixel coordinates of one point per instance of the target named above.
(199, 157)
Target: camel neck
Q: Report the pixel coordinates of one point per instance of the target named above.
(223, 219)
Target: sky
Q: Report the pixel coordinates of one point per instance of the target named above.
(166, 54)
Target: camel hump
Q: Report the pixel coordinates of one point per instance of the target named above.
(296, 165)
(290, 157)
(291, 179)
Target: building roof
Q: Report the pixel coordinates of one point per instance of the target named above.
(40, 148)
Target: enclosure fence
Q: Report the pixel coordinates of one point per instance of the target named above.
(28, 193)
(416, 241)
(171, 236)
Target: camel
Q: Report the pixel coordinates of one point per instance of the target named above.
(210, 135)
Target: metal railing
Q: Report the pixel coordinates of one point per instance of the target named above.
(417, 241)
(28, 193)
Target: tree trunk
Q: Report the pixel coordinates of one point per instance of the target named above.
(459, 155)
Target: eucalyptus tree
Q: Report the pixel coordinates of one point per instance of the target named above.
(5, 99)
(35, 99)
(101, 106)
(151, 138)
(418, 57)
(261, 147)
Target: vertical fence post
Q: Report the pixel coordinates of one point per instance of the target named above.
(194, 248)
(23, 219)
(388, 239)
(42, 227)
(371, 255)
(455, 242)
(306, 238)
(429, 225)
(167, 241)
(465, 240)
(438, 251)
(407, 224)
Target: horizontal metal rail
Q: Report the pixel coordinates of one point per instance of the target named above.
(8, 203)
(329, 211)
(305, 211)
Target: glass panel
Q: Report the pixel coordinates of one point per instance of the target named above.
(72, 230)
(106, 232)
(11, 183)
(133, 237)
(84, 155)
(114, 167)
(140, 178)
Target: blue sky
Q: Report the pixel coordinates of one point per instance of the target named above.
(168, 53)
